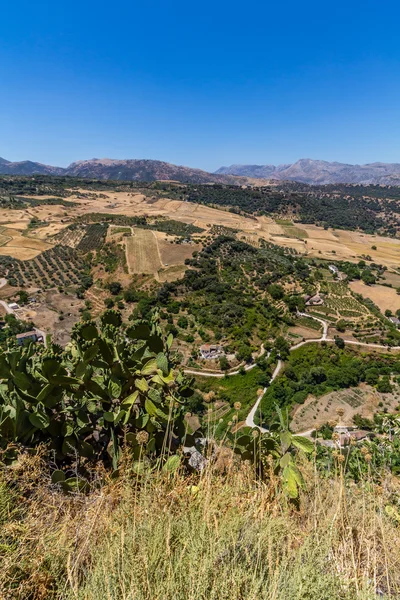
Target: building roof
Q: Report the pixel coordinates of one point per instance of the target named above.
(19, 336)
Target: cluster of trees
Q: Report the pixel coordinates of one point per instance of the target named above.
(94, 237)
(59, 266)
(311, 206)
(166, 225)
(13, 326)
(22, 203)
(321, 368)
(232, 290)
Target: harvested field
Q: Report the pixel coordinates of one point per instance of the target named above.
(4, 239)
(174, 254)
(45, 233)
(392, 278)
(295, 232)
(305, 332)
(142, 253)
(20, 246)
(384, 297)
(17, 219)
(343, 245)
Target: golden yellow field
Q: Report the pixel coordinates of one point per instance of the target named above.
(384, 297)
(21, 246)
(306, 239)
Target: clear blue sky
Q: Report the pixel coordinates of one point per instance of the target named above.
(202, 84)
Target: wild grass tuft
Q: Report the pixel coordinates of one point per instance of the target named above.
(219, 536)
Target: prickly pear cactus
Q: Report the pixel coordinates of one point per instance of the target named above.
(112, 386)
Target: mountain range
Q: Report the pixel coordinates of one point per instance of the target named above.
(124, 170)
(314, 172)
(320, 172)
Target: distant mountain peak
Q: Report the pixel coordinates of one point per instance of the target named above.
(121, 170)
(311, 171)
(305, 170)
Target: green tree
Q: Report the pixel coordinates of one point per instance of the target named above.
(282, 347)
(244, 353)
(23, 296)
(115, 287)
(223, 363)
(384, 386)
(109, 302)
(183, 322)
(339, 342)
(368, 277)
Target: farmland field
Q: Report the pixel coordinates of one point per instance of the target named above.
(142, 254)
(295, 232)
(321, 243)
(58, 266)
(384, 297)
(174, 254)
(19, 246)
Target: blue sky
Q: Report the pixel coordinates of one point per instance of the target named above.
(202, 84)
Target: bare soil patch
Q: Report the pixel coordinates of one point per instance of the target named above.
(46, 315)
(176, 254)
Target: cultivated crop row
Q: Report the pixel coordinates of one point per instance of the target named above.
(58, 267)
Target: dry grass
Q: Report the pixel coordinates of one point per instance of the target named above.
(21, 246)
(382, 296)
(142, 254)
(218, 536)
(174, 254)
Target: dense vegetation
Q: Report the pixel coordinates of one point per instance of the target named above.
(158, 224)
(112, 385)
(21, 203)
(321, 368)
(338, 212)
(94, 237)
(231, 289)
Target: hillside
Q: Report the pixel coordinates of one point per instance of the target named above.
(321, 172)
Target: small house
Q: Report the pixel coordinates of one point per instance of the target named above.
(316, 300)
(209, 351)
(27, 336)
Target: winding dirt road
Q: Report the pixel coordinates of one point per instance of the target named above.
(324, 338)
